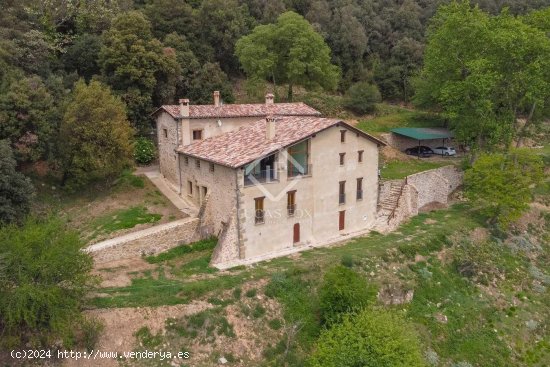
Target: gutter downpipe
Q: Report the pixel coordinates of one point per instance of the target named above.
(238, 213)
(178, 123)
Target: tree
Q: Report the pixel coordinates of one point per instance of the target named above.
(45, 279)
(96, 136)
(222, 23)
(500, 184)
(132, 61)
(81, 56)
(28, 118)
(16, 190)
(484, 73)
(362, 97)
(207, 79)
(343, 291)
(289, 51)
(373, 338)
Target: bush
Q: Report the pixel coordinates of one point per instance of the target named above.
(343, 291)
(362, 97)
(144, 151)
(43, 282)
(373, 338)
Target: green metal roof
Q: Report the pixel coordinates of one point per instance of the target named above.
(423, 133)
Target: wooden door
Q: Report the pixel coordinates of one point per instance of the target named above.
(296, 237)
(342, 220)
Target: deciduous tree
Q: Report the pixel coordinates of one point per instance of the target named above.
(500, 184)
(289, 51)
(96, 136)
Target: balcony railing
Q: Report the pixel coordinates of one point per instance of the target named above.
(296, 170)
(291, 209)
(359, 194)
(342, 199)
(266, 175)
(259, 218)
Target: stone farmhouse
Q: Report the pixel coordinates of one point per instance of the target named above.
(269, 178)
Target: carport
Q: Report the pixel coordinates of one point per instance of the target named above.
(414, 136)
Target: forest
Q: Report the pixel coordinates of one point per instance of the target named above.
(151, 52)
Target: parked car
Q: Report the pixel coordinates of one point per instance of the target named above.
(420, 151)
(444, 151)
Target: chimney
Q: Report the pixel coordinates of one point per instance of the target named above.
(216, 98)
(270, 128)
(269, 98)
(184, 107)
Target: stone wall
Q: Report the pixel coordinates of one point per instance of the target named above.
(435, 185)
(150, 241)
(166, 145)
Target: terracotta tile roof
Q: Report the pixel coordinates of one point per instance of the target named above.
(248, 143)
(243, 110)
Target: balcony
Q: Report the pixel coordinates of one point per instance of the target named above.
(291, 209)
(342, 199)
(259, 218)
(298, 171)
(262, 176)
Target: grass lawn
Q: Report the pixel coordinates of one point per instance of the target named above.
(99, 213)
(400, 169)
(389, 117)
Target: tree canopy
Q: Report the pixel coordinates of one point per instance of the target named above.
(373, 338)
(45, 279)
(500, 184)
(289, 51)
(485, 72)
(16, 190)
(96, 135)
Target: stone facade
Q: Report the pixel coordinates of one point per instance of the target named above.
(167, 133)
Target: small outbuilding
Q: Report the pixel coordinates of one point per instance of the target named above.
(408, 137)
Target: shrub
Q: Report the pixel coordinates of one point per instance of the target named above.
(373, 338)
(144, 151)
(347, 261)
(362, 97)
(43, 282)
(343, 291)
(251, 293)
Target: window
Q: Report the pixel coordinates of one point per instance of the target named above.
(211, 167)
(186, 160)
(298, 157)
(342, 192)
(341, 219)
(342, 158)
(291, 202)
(259, 210)
(189, 188)
(165, 132)
(360, 156)
(360, 188)
(197, 134)
(342, 136)
(197, 163)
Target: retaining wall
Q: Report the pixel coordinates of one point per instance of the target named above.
(148, 242)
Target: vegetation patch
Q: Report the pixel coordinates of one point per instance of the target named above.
(400, 169)
(124, 219)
